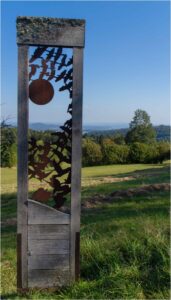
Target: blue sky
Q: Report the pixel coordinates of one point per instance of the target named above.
(126, 60)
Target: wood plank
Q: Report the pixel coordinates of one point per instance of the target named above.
(40, 247)
(49, 262)
(76, 151)
(39, 213)
(77, 255)
(50, 31)
(48, 232)
(48, 278)
(22, 170)
(19, 266)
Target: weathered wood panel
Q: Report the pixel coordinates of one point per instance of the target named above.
(49, 262)
(19, 265)
(48, 278)
(49, 239)
(39, 213)
(48, 232)
(76, 153)
(22, 172)
(50, 31)
(48, 247)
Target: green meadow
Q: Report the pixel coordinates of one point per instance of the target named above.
(124, 240)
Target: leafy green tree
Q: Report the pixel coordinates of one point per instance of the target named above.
(8, 146)
(138, 152)
(92, 154)
(113, 153)
(163, 151)
(140, 129)
(119, 138)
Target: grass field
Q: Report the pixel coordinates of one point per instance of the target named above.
(124, 241)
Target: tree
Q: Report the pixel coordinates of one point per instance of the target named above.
(140, 129)
(119, 138)
(164, 151)
(8, 146)
(92, 154)
(114, 153)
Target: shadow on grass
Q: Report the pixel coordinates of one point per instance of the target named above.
(149, 176)
(106, 215)
(140, 178)
(158, 171)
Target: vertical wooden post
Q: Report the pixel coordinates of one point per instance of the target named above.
(47, 270)
(22, 171)
(76, 159)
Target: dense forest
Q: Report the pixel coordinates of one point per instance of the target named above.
(140, 143)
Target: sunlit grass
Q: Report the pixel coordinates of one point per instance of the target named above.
(124, 244)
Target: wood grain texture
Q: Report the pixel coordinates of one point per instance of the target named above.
(76, 151)
(22, 170)
(49, 262)
(39, 247)
(48, 232)
(50, 31)
(39, 213)
(77, 255)
(19, 264)
(48, 278)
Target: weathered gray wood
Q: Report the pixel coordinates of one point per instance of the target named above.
(39, 213)
(49, 262)
(48, 247)
(50, 31)
(51, 255)
(76, 151)
(48, 232)
(48, 278)
(22, 172)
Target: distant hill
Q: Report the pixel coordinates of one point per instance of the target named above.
(163, 132)
(44, 126)
(86, 128)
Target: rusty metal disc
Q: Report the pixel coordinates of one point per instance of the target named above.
(41, 91)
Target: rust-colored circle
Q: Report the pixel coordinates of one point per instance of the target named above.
(41, 91)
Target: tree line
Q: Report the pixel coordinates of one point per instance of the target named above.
(139, 145)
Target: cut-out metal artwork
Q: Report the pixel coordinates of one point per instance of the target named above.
(41, 91)
(51, 162)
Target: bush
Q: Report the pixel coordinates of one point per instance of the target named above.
(163, 151)
(149, 153)
(92, 154)
(114, 154)
(8, 147)
(152, 154)
(138, 152)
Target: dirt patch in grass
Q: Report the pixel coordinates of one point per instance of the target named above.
(144, 190)
(106, 179)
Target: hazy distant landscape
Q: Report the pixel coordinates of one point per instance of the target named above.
(163, 131)
(86, 127)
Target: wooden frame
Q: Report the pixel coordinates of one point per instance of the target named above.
(52, 32)
(22, 165)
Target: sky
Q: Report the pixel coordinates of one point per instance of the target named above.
(126, 59)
